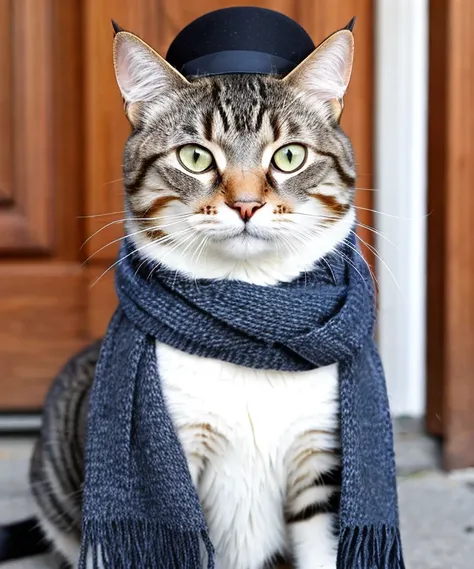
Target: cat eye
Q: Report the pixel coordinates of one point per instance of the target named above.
(289, 158)
(195, 158)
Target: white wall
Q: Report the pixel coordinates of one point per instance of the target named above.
(400, 157)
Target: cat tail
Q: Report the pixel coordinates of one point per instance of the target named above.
(22, 539)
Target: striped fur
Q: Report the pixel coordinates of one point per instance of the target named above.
(262, 447)
(57, 464)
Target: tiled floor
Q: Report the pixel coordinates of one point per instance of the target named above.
(437, 511)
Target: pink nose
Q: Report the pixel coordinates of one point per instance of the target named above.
(246, 209)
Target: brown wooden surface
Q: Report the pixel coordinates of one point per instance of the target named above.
(437, 199)
(26, 225)
(6, 132)
(66, 129)
(451, 251)
(43, 289)
(38, 331)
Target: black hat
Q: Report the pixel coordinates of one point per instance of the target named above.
(240, 40)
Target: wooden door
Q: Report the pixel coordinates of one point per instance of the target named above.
(41, 283)
(450, 355)
(60, 164)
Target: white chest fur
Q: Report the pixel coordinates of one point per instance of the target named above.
(239, 428)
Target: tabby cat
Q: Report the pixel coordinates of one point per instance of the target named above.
(246, 177)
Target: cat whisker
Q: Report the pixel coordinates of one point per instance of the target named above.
(189, 245)
(330, 268)
(158, 218)
(373, 230)
(290, 245)
(316, 215)
(347, 260)
(123, 259)
(193, 255)
(172, 236)
(162, 241)
(113, 181)
(357, 252)
(161, 261)
(155, 228)
(100, 214)
(377, 255)
(314, 231)
(391, 215)
(183, 252)
(201, 248)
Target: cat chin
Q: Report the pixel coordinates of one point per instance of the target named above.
(244, 247)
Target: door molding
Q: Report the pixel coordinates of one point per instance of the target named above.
(400, 165)
(26, 222)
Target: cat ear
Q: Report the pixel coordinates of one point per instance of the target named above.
(142, 75)
(326, 72)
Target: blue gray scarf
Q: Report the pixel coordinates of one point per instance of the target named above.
(141, 510)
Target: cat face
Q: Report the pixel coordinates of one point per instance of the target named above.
(236, 168)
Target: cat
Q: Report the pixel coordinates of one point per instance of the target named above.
(245, 177)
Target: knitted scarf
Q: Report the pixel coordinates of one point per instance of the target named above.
(140, 509)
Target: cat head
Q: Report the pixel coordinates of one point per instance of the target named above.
(237, 176)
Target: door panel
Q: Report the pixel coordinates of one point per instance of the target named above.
(25, 223)
(6, 126)
(450, 354)
(39, 329)
(43, 289)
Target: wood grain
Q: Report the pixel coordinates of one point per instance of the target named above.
(27, 225)
(39, 331)
(67, 175)
(42, 303)
(451, 251)
(437, 221)
(6, 132)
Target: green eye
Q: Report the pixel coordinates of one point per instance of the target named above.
(289, 158)
(195, 158)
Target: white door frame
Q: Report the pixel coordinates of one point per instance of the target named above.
(401, 47)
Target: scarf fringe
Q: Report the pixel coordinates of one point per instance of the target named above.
(370, 547)
(138, 544)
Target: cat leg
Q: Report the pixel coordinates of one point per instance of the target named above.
(312, 505)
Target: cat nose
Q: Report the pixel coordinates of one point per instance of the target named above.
(246, 209)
